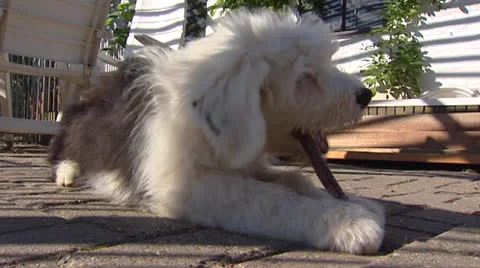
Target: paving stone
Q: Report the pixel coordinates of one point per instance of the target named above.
(459, 247)
(310, 258)
(92, 209)
(6, 203)
(465, 203)
(38, 242)
(396, 238)
(32, 182)
(118, 218)
(45, 225)
(440, 200)
(24, 191)
(14, 218)
(418, 224)
(44, 200)
(361, 180)
(371, 186)
(394, 208)
(23, 159)
(439, 215)
(413, 184)
(204, 248)
(395, 188)
(25, 173)
(473, 222)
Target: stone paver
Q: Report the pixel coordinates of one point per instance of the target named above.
(15, 218)
(437, 215)
(189, 248)
(309, 258)
(117, 218)
(433, 220)
(458, 247)
(203, 247)
(35, 243)
(418, 224)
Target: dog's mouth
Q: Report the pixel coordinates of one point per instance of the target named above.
(315, 145)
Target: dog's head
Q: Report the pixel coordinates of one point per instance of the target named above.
(261, 76)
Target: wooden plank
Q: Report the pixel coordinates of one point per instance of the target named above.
(61, 30)
(406, 139)
(76, 11)
(150, 41)
(74, 76)
(27, 126)
(449, 158)
(420, 122)
(429, 138)
(406, 150)
(107, 59)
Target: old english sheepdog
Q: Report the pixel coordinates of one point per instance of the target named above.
(186, 133)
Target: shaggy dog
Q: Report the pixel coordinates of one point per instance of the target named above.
(186, 133)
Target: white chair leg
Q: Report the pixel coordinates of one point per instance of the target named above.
(68, 95)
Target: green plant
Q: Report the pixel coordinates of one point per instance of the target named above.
(399, 62)
(195, 20)
(301, 5)
(234, 4)
(118, 22)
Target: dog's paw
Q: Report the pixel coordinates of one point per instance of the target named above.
(357, 229)
(65, 173)
(355, 226)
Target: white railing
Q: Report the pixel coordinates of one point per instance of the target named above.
(426, 102)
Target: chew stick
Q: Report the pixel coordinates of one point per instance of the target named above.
(319, 164)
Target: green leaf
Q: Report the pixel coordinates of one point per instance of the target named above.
(115, 14)
(108, 21)
(399, 62)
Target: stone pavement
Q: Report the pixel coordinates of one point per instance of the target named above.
(433, 221)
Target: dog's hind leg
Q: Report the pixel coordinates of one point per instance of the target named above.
(65, 173)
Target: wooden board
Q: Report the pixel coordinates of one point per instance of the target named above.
(60, 30)
(432, 138)
(421, 122)
(404, 138)
(27, 126)
(470, 158)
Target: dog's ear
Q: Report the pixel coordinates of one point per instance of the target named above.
(230, 113)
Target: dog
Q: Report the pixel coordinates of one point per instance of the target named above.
(187, 133)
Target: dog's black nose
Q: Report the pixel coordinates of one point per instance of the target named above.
(363, 97)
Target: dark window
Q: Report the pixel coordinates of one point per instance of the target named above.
(347, 15)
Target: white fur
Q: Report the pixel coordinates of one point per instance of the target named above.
(223, 102)
(65, 173)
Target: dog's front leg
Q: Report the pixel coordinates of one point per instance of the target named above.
(303, 185)
(251, 206)
(291, 179)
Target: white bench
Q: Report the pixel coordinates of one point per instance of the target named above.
(66, 31)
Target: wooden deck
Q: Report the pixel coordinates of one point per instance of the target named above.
(452, 137)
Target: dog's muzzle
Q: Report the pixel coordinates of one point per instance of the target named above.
(316, 145)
